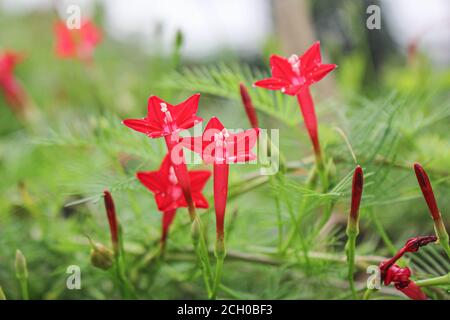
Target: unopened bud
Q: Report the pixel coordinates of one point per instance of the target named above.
(21, 266)
(101, 256)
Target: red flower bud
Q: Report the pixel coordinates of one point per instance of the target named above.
(248, 105)
(427, 190)
(357, 189)
(112, 219)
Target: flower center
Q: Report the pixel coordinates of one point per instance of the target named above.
(168, 120)
(172, 176)
(294, 60)
(220, 140)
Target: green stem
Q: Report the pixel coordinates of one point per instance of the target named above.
(296, 229)
(126, 289)
(323, 174)
(368, 293)
(442, 235)
(218, 276)
(382, 233)
(279, 224)
(23, 282)
(350, 253)
(437, 281)
(201, 250)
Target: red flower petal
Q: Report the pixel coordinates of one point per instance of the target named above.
(281, 68)
(168, 190)
(214, 124)
(413, 291)
(65, 46)
(272, 84)
(320, 72)
(152, 181)
(200, 201)
(154, 112)
(184, 113)
(144, 126)
(311, 58)
(198, 179)
(77, 43)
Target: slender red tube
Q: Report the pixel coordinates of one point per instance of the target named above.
(306, 104)
(167, 220)
(182, 174)
(249, 107)
(112, 219)
(413, 291)
(220, 196)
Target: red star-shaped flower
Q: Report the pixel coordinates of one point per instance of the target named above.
(218, 146)
(9, 85)
(168, 193)
(77, 43)
(164, 119)
(292, 74)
